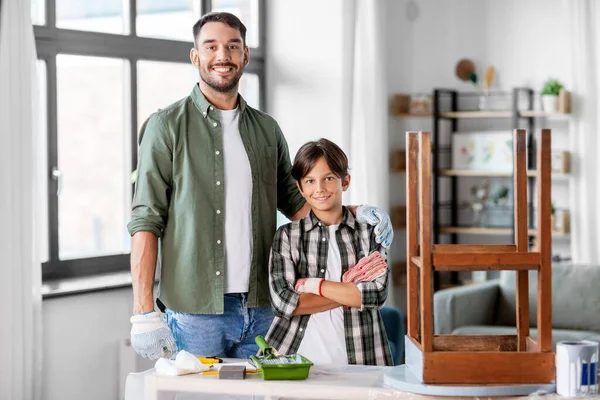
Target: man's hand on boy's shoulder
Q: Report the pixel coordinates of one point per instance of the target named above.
(384, 232)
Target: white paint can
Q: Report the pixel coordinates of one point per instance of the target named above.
(577, 368)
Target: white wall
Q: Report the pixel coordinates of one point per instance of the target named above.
(83, 338)
(526, 41)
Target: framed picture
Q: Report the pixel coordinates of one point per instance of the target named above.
(486, 151)
(421, 104)
(561, 161)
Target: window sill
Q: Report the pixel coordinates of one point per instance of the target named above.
(87, 284)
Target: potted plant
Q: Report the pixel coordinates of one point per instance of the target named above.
(550, 93)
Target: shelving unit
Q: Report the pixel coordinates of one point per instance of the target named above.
(531, 117)
(453, 116)
(449, 108)
(403, 118)
(445, 108)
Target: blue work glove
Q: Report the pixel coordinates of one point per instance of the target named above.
(150, 337)
(376, 216)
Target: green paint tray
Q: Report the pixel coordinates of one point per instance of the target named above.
(277, 367)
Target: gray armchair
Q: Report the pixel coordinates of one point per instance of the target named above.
(490, 308)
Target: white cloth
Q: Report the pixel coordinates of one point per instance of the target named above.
(365, 108)
(324, 341)
(584, 44)
(238, 205)
(20, 269)
(183, 364)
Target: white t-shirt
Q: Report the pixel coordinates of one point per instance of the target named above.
(324, 341)
(238, 203)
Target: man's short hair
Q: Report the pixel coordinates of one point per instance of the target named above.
(311, 152)
(223, 17)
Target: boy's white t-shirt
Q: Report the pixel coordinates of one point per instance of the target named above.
(238, 203)
(324, 340)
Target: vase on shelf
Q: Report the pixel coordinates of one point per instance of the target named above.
(549, 103)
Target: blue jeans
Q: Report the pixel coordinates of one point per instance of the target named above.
(229, 335)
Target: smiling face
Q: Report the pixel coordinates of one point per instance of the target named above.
(220, 55)
(323, 190)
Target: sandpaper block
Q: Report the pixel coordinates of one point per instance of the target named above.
(232, 372)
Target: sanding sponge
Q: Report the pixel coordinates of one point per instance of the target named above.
(232, 372)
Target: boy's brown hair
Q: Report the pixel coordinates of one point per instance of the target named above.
(311, 152)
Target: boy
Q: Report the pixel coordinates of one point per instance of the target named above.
(326, 302)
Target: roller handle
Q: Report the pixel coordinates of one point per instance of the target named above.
(268, 351)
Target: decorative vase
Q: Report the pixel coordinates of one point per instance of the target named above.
(549, 103)
(482, 105)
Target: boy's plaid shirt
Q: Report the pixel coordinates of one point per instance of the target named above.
(300, 251)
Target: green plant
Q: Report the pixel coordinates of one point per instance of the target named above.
(500, 194)
(552, 87)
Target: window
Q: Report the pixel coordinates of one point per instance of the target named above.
(166, 19)
(97, 16)
(102, 68)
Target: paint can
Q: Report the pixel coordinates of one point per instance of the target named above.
(577, 368)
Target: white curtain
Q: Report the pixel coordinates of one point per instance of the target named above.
(20, 272)
(366, 112)
(583, 17)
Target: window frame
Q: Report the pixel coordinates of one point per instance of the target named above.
(52, 41)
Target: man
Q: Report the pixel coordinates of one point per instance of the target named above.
(211, 173)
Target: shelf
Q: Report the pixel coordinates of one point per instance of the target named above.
(471, 230)
(476, 230)
(543, 114)
(483, 173)
(413, 115)
(473, 172)
(476, 114)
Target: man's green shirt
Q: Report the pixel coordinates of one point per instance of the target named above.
(180, 185)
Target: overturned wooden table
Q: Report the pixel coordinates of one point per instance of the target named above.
(479, 360)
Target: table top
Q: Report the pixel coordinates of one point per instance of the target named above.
(324, 382)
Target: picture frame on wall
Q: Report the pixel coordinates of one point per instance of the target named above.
(483, 151)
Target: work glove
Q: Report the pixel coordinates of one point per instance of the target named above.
(384, 232)
(150, 337)
(309, 285)
(367, 269)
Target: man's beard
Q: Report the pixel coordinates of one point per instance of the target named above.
(225, 87)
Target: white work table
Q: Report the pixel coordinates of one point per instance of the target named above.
(340, 382)
(324, 382)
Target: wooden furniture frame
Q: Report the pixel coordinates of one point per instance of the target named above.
(479, 359)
